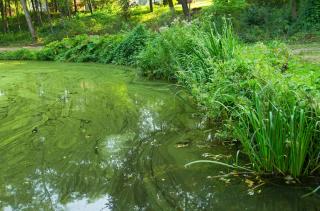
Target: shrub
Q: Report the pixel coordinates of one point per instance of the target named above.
(23, 54)
(118, 49)
(82, 48)
(167, 53)
(106, 46)
(127, 51)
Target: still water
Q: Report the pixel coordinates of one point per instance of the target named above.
(97, 137)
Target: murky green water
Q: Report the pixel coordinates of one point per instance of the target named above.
(94, 137)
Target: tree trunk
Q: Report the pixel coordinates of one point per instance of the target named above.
(68, 8)
(3, 18)
(55, 6)
(75, 6)
(33, 7)
(17, 13)
(6, 16)
(40, 7)
(9, 8)
(171, 6)
(49, 15)
(90, 6)
(28, 19)
(39, 18)
(151, 5)
(294, 9)
(185, 8)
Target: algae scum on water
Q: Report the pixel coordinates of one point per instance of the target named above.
(96, 137)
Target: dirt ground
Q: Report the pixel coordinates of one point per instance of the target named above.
(2, 49)
(308, 52)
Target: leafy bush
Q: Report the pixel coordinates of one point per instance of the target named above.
(118, 49)
(23, 54)
(231, 7)
(106, 47)
(256, 20)
(126, 52)
(164, 56)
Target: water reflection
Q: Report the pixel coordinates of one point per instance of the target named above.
(95, 140)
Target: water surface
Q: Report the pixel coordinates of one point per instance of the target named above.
(96, 137)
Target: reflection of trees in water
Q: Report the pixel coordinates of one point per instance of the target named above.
(62, 159)
(75, 151)
(151, 181)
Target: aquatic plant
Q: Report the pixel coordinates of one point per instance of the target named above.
(278, 137)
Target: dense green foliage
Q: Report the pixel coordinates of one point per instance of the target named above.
(256, 20)
(23, 54)
(253, 20)
(118, 49)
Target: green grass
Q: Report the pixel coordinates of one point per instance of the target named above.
(279, 138)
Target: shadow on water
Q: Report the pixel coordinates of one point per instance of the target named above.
(93, 137)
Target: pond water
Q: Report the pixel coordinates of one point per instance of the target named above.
(96, 137)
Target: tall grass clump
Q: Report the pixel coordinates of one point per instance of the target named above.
(168, 52)
(22, 54)
(216, 75)
(280, 137)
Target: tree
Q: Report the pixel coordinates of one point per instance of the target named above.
(171, 6)
(28, 19)
(17, 13)
(125, 7)
(151, 5)
(89, 5)
(185, 8)
(75, 6)
(3, 16)
(37, 6)
(49, 15)
(294, 9)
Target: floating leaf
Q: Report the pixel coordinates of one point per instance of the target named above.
(249, 183)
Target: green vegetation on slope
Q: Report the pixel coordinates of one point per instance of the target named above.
(253, 20)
